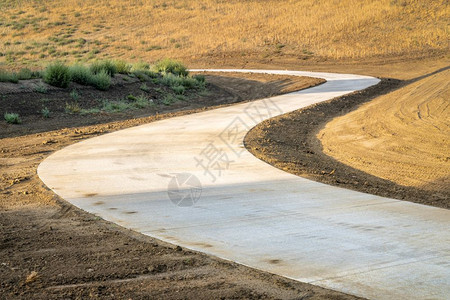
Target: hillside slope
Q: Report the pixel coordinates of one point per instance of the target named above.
(37, 31)
(402, 136)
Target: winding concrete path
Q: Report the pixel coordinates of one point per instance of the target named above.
(146, 178)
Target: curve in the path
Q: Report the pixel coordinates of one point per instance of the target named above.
(250, 212)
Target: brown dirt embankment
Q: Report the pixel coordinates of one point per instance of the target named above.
(403, 137)
(289, 142)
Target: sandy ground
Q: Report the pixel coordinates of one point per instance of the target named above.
(402, 137)
(52, 250)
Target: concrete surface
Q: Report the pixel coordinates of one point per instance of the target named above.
(146, 178)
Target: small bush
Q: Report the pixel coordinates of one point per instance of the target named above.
(57, 74)
(72, 108)
(179, 89)
(8, 77)
(170, 66)
(144, 75)
(169, 99)
(25, 74)
(143, 102)
(122, 67)
(115, 106)
(80, 74)
(200, 78)
(101, 81)
(106, 66)
(144, 87)
(74, 95)
(187, 82)
(131, 97)
(12, 118)
(191, 83)
(45, 112)
(140, 66)
(41, 88)
(171, 80)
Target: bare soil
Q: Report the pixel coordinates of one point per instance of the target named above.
(50, 249)
(402, 137)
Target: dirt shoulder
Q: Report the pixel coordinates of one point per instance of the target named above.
(289, 142)
(52, 250)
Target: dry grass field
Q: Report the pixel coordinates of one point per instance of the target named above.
(35, 32)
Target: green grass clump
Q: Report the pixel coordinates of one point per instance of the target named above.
(145, 75)
(106, 66)
(179, 89)
(80, 74)
(72, 108)
(200, 78)
(139, 66)
(143, 102)
(144, 88)
(122, 67)
(115, 106)
(170, 66)
(8, 77)
(25, 74)
(41, 88)
(169, 99)
(187, 82)
(57, 74)
(12, 118)
(101, 81)
(45, 112)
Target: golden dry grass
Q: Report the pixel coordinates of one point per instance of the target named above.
(402, 137)
(37, 31)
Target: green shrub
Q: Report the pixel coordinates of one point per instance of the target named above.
(191, 83)
(45, 112)
(57, 74)
(122, 67)
(170, 66)
(72, 108)
(187, 82)
(143, 102)
(115, 106)
(200, 78)
(169, 99)
(80, 74)
(106, 66)
(12, 118)
(171, 80)
(144, 87)
(25, 74)
(41, 88)
(131, 97)
(140, 66)
(74, 95)
(101, 81)
(178, 89)
(8, 77)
